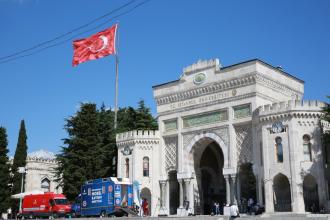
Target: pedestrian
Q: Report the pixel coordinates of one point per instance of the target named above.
(145, 207)
(250, 205)
(234, 212)
(217, 208)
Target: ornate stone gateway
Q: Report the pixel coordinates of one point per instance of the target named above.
(228, 133)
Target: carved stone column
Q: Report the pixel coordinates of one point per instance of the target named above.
(232, 188)
(181, 192)
(227, 189)
(162, 193)
(187, 187)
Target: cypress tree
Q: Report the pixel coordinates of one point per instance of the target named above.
(19, 161)
(5, 173)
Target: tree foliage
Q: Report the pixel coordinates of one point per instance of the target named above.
(90, 150)
(5, 172)
(19, 161)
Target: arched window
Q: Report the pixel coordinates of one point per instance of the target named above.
(146, 166)
(127, 167)
(45, 185)
(279, 149)
(307, 148)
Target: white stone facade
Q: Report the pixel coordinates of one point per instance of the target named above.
(216, 120)
(40, 172)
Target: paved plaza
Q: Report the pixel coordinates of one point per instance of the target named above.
(280, 216)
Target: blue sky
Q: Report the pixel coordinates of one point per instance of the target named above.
(157, 40)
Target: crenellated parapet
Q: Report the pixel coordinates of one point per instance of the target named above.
(137, 137)
(293, 108)
(41, 160)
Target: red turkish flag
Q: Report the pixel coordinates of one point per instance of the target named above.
(94, 47)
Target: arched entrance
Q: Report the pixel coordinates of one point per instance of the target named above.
(174, 192)
(146, 194)
(311, 196)
(282, 194)
(209, 162)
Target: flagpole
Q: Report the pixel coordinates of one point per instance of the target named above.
(116, 94)
(116, 91)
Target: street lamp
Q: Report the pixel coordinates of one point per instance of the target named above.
(22, 171)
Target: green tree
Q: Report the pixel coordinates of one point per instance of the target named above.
(108, 141)
(144, 119)
(19, 161)
(81, 158)
(5, 173)
(90, 149)
(126, 119)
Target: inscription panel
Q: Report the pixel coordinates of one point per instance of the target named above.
(242, 111)
(207, 118)
(202, 99)
(171, 125)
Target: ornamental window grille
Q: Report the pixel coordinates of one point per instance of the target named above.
(127, 167)
(279, 149)
(307, 148)
(146, 166)
(45, 185)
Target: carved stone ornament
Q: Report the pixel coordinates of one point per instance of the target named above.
(199, 78)
(126, 151)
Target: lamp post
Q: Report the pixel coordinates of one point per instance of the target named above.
(22, 171)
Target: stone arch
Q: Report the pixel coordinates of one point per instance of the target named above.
(208, 167)
(282, 193)
(210, 135)
(310, 190)
(146, 194)
(45, 184)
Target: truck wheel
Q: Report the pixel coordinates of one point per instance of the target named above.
(103, 214)
(31, 216)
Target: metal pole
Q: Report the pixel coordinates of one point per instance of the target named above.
(116, 92)
(20, 199)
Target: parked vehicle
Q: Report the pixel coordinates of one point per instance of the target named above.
(48, 204)
(105, 197)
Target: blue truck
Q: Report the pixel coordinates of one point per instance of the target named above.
(105, 197)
